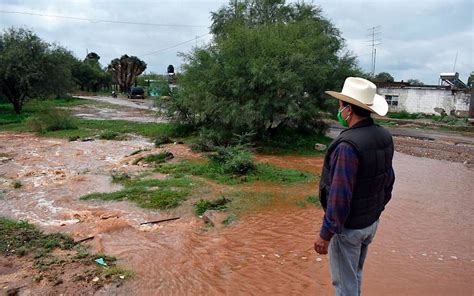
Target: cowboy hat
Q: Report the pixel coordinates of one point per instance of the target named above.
(361, 92)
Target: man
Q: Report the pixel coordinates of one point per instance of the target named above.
(356, 184)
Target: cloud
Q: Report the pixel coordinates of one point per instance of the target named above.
(419, 39)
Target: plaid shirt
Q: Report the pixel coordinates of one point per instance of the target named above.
(344, 163)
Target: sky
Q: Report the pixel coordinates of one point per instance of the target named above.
(415, 39)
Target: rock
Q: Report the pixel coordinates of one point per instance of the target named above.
(5, 159)
(210, 217)
(320, 147)
(88, 139)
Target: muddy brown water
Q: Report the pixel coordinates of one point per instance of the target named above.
(423, 245)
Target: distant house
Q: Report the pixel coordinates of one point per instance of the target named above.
(452, 96)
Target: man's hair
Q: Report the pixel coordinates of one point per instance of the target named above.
(357, 110)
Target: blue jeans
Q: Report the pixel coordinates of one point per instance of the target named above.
(347, 252)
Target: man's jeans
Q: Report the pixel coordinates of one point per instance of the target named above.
(347, 252)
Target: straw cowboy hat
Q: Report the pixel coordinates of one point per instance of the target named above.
(361, 92)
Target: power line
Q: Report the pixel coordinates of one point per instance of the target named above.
(101, 20)
(176, 45)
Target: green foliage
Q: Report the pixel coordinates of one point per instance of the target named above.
(156, 158)
(153, 194)
(288, 142)
(109, 135)
(213, 171)
(383, 77)
(52, 120)
(26, 237)
(30, 67)
(89, 75)
(162, 139)
(17, 184)
(115, 273)
(267, 67)
(415, 82)
(203, 205)
(233, 160)
(125, 70)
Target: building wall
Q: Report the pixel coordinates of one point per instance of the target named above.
(426, 99)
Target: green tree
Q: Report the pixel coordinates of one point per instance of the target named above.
(383, 77)
(30, 67)
(89, 75)
(263, 74)
(125, 70)
(415, 82)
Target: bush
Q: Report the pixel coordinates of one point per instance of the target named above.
(155, 158)
(109, 135)
(160, 140)
(234, 160)
(52, 120)
(203, 205)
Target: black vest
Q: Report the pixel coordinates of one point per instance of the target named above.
(374, 145)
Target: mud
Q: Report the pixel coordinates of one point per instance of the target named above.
(423, 245)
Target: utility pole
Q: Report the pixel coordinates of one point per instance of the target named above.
(374, 41)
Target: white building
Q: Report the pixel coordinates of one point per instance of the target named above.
(424, 99)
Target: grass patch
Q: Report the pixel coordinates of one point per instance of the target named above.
(58, 125)
(22, 239)
(262, 172)
(311, 199)
(155, 158)
(17, 184)
(203, 205)
(25, 238)
(115, 273)
(293, 144)
(110, 135)
(154, 194)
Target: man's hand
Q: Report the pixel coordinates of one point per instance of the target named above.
(321, 246)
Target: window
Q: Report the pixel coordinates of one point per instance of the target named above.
(392, 100)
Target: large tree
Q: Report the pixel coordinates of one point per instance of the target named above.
(266, 69)
(125, 70)
(30, 67)
(89, 75)
(383, 77)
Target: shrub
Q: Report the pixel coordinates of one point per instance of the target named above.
(109, 135)
(17, 184)
(156, 158)
(203, 205)
(52, 120)
(234, 160)
(160, 140)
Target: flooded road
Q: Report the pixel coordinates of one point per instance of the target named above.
(424, 245)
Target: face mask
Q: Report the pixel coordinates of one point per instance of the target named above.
(342, 120)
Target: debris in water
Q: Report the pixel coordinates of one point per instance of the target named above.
(304, 258)
(424, 254)
(121, 276)
(96, 279)
(84, 239)
(159, 221)
(101, 261)
(454, 257)
(276, 255)
(319, 259)
(440, 259)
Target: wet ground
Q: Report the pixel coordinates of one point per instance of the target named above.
(423, 246)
